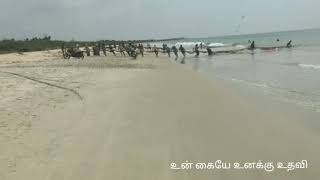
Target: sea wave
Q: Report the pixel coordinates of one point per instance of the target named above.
(307, 100)
(274, 87)
(189, 44)
(313, 66)
(262, 85)
(213, 45)
(240, 46)
(192, 44)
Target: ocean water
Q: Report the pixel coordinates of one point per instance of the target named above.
(288, 75)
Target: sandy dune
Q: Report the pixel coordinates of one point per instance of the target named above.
(135, 118)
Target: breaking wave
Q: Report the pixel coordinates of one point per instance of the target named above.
(313, 66)
(213, 45)
(189, 44)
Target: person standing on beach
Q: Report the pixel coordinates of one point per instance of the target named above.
(141, 49)
(196, 49)
(163, 47)
(121, 48)
(182, 50)
(155, 50)
(289, 44)
(87, 50)
(128, 49)
(99, 47)
(252, 46)
(175, 51)
(168, 51)
(210, 52)
(96, 51)
(112, 50)
(201, 45)
(104, 49)
(63, 49)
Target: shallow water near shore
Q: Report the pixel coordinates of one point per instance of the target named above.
(290, 75)
(287, 75)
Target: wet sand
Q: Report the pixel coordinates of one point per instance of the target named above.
(132, 119)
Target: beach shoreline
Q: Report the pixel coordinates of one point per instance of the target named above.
(133, 119)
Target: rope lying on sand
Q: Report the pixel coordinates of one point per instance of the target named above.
(46, 83)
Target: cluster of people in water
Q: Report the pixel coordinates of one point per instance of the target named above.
(133, 50)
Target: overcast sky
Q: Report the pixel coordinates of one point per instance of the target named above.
(143, 19)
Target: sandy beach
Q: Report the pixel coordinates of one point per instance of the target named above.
(118, 118)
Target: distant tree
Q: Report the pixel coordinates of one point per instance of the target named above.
(46, 38)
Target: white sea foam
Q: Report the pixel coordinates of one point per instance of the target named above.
(192, 44)
(240, 46)
(262, 85)
(313, 66)
(189, 44)
(213, 45)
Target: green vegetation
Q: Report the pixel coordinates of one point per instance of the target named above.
(34, 44)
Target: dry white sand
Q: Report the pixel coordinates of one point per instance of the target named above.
(132, 120)
(30, 56)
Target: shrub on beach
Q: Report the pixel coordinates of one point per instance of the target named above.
(35, 44)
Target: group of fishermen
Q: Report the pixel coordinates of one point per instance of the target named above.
(175, 50)
(96, 49)
(130, 49)
(133, 50)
